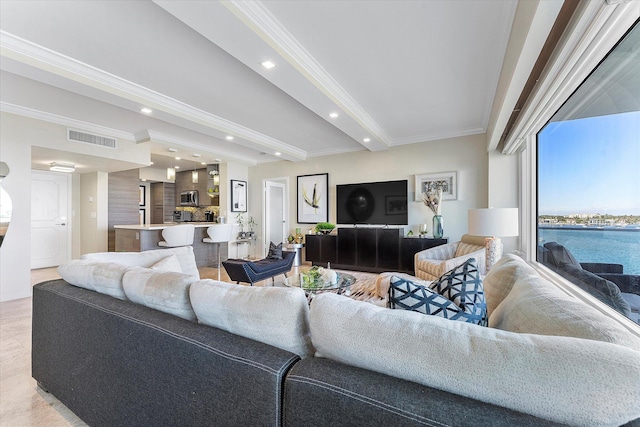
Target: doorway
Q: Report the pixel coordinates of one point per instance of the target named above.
(275, 210)
(50, 228)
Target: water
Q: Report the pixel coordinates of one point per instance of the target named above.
(617, 246)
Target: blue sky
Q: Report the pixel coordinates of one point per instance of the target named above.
(590, 165)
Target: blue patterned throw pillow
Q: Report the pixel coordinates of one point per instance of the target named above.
(457, 295)
(463, 286)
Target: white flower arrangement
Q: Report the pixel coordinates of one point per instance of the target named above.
(432, 199)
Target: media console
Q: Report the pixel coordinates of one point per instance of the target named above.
(367, 249)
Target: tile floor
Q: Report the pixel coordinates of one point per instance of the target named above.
(22, 403)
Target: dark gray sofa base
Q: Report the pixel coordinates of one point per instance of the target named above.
(115, 363)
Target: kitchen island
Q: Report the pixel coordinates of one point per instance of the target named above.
(139, 238)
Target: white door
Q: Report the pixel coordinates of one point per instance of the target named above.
(275, 208)
(49, 219)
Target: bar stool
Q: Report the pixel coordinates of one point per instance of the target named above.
(177, 235)
(218, 234)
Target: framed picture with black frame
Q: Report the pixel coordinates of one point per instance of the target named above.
(238, 196)
(313, 198)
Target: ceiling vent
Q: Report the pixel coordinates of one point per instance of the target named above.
(89, 138)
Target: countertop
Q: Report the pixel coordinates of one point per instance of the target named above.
(163, 226)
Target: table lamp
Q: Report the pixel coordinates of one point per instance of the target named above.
(493, 223)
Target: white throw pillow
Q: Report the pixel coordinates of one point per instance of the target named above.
(164, 291)
(169, 263)
(148, 258)
(501, 278)
(567, 380)
(102, 277)
(272, 315)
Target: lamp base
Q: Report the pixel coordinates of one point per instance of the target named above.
(493, 250)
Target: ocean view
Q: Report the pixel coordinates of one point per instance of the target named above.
(618, 246)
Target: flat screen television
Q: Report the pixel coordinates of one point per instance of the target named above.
(376, 203)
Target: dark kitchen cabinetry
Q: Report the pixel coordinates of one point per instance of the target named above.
(184, 182)
(367, 249)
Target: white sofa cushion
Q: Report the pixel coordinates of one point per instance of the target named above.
(536, 306)
(567, 380)
(102, 277)
(272, 315)
(148, 258)
(165, 291)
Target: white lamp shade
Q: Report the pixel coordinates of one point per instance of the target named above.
(496, 222)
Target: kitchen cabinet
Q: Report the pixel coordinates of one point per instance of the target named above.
(184, 182)
(162, 199)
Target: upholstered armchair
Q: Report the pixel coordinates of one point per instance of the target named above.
(432, 263)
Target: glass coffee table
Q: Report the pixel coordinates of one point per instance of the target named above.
(342, 286)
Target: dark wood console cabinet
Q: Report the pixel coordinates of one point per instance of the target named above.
(367, 249)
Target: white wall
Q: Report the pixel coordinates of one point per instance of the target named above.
(15, 253)
(466, 155)
(18, 135)
(93, 212)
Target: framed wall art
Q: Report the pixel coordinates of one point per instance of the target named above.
(313, 198)
(238, 196)
(142, 196)
(448, 181)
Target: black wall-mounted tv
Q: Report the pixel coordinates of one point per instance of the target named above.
(375, 203)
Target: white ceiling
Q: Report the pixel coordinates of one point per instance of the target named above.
(397, 72)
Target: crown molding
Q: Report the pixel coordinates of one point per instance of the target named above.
(256, 16)
(437, 136)
(31, 113)
(24, 51)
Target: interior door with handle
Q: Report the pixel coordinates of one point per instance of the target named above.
(275, 213)
(50, 230)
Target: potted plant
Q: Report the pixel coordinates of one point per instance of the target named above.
(325, 227)
(251, 223)
(240, 222)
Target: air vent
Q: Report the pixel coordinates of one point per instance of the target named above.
(89, 138)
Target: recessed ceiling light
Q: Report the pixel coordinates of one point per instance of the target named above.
(172, 150)
(218, 160)
(333, 115)
(229, 138)
(203, 163)
(146, 110)
(177, 158)
(176, 167)
(277, 153)
(366, 140)
(268, 65)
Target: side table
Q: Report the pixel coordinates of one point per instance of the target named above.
(297, 248)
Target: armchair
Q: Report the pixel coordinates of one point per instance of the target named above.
(432, 263)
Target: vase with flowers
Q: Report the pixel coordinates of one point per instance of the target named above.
(432, 199)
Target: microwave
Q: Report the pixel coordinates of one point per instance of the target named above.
(189, 198)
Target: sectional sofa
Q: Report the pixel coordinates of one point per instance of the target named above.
(138, 339)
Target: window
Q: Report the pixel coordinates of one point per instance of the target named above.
(588, 182)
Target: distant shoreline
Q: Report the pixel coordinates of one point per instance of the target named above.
(631, 227)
